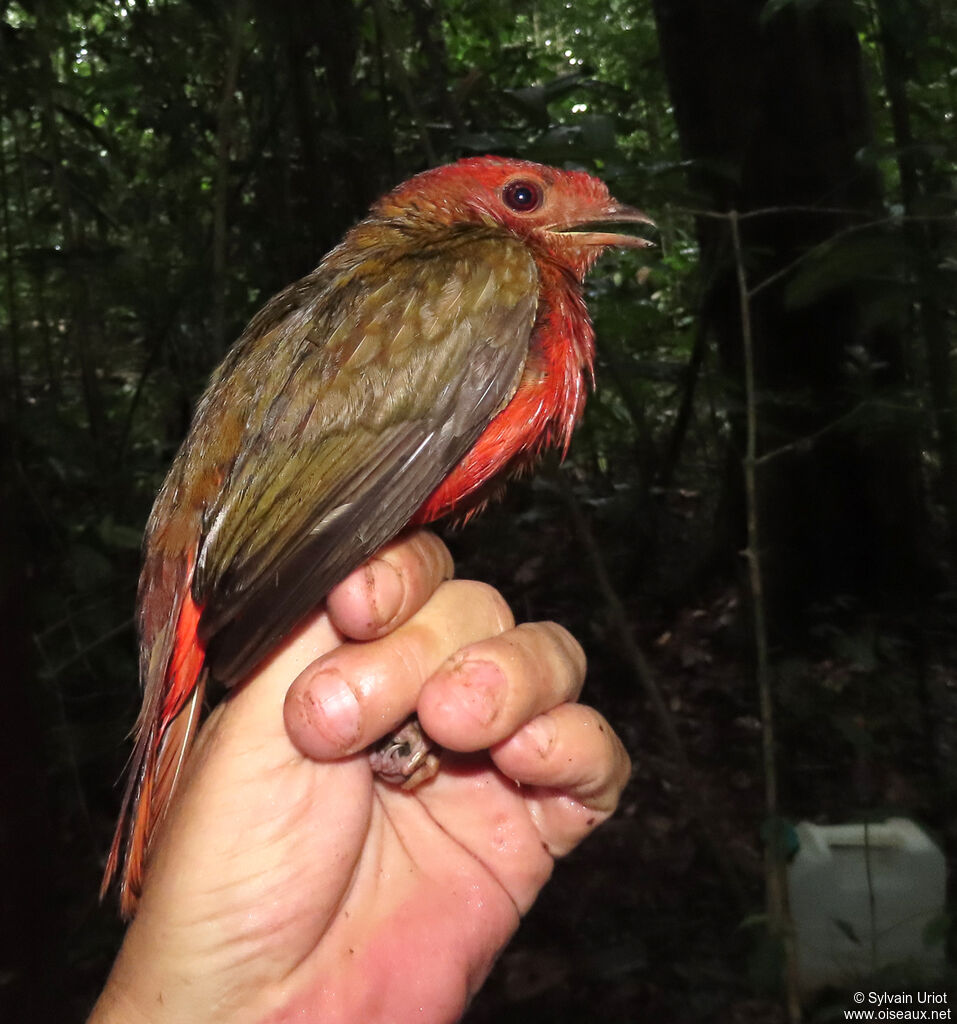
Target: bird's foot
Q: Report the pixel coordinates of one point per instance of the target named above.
(405, 758)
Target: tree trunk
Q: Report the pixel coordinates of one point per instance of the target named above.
(900, 30)
(774, 115)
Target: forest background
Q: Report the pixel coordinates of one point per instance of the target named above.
(774, 416)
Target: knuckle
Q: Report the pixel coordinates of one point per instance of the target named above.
(619, 763)
(486, 601)
(568, 649)
(428, 551)
(408, 554)
(611, 766)
(438, 555)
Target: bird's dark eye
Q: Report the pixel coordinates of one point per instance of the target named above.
(522, 196)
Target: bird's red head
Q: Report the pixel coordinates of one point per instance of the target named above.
(562, 213)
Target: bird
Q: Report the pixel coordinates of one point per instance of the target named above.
(437, 350)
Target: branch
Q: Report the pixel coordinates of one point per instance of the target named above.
(809, 440)
(81, 653)
(781, 924)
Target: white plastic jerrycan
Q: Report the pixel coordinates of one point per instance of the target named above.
(862, 897)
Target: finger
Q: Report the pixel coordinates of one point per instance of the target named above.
(576, 767)
(391, 587)
(354, 695)
(487, 691)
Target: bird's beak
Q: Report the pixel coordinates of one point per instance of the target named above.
(585, 233)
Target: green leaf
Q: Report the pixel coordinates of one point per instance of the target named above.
(116, 535)
(843, 263)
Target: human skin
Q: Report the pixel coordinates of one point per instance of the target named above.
(291, 883)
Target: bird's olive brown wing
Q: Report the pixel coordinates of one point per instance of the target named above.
(388, 379)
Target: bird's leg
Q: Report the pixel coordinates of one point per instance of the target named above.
(406, 757)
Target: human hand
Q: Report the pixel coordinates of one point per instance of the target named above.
(289, 882)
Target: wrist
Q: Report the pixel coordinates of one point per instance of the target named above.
(145, 987)
(119, 1004)
(162, 975)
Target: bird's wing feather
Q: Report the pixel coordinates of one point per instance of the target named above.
(395, 370)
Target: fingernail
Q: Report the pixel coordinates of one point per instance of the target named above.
(338, 708)
(386, 591)
(541, 732)
(479, 690)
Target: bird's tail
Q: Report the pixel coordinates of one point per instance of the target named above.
(174, 687)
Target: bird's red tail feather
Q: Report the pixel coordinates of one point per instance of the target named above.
(168, 722)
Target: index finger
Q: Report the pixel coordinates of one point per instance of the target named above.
(391, 587)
